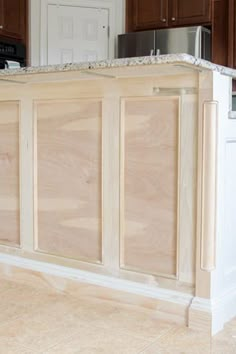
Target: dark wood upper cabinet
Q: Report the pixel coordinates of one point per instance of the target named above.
(187, 12)
(232, 35)
(13, 19)
(1, 14)
(154, 14)
(146, 14)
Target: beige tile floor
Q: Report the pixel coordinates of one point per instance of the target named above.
(37, 318)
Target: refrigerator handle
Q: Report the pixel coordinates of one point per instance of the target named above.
(155, 52)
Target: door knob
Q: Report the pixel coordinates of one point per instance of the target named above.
(1, 27)
(163, 20)
(173, 19)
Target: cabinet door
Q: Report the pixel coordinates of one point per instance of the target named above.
(13, 18)
(1, 14)
(185, 12)
(148, 14)
(232, 35)
(220, 23)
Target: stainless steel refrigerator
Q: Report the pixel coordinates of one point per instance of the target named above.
(191, 40)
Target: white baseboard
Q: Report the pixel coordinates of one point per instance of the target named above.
(100, 280)
(215, 312)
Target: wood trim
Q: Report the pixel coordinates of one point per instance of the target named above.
(35, 176)
(170, 296)
(179, 160)
(122, 178)
(203, 278)
(188, 196)
(110, 185)
(26, 174)
(209, 158)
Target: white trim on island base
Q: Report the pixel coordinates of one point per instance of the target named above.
(197, 313)
(98, 279)
(212, 314)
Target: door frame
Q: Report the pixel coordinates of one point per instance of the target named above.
(109, 5)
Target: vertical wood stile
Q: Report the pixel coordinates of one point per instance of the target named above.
(110, 171)
(26, 174)
(208, 232)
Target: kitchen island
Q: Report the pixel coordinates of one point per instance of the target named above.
(122, 173)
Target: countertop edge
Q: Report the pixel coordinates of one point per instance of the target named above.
(174, 59)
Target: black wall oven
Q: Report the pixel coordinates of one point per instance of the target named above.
(12, 54)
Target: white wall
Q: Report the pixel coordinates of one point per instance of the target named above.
(38, 12)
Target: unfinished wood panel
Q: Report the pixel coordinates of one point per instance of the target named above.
(188, 188)
(69, 153)
(9, 173)
(150, 188)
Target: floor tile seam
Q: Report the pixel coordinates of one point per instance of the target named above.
(65, 339)
(124, 331)
(160, 337)
(146, 348)
(134, 307)
(69, 338)
(43, 350)
(33, 351)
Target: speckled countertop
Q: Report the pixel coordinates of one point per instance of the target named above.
(173, 59)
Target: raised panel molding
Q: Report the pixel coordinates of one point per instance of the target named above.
(149, 185)
(68, 176)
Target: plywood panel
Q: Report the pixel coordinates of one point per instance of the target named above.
(150, 193)
(9, 173)
(69, 148)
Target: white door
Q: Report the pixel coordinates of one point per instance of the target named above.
(77, 34)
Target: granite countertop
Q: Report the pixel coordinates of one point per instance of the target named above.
(174, 59)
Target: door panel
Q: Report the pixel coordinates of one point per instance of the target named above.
(150, 189)
(185, 12)
(69, 148)
(77, 34)
(150, 14)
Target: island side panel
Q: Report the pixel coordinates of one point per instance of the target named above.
(149, 226)
(69, 178)
(9, 173)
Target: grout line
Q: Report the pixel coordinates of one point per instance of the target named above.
(145, 348)
(157, 339)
